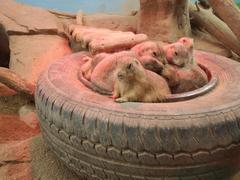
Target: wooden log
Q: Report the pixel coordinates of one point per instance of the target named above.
(206, 20)
(13, 81)
(228, 11)
(98, 40)
(116, 42)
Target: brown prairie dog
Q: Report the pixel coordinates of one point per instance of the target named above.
(183, 73)
(150, 48)
(189, 44)
(177, 54)
(91, 62)
(151, 56)
(135, 84)
(184, 79)
(180, 53)
(103, 74)
(85, 71)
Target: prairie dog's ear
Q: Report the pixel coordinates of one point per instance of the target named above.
(136, 61)
(187, 42)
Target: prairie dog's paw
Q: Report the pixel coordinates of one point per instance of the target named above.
(114, 97)
(120, 100)
(71, 28)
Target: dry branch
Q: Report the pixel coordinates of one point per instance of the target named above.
(115, 43)
(13, 81)
(206, 20)
(228, 11)
(69, 15)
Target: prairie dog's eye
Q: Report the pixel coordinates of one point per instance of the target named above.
(154, 54)
(129, 66)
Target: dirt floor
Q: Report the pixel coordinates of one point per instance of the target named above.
(35, 43)
(45, 165)
(23, 153)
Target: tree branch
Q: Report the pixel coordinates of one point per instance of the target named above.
(13, 81)
(206, 20)
(228, 11)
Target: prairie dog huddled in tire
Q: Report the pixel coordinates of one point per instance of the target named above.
(99, 68)
(189, 44)
(183, 73)
(91, 62)
(135, 84)
(180, 53)
(182, 80)
(103, 74)
(177, 54)
(151, 55)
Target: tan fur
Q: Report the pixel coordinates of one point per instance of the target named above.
(150, 48)
(135, 84)
(177, 54)
(85, 71)
(180, 53)
(189, 44)
(103, 74)
(182, 73)
(151, 56)
(91, 62)
(184, 79)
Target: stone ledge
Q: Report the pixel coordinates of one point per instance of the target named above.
(23, 19)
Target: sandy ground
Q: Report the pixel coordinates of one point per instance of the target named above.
(26, 50)
(11, 104)
(45, 165)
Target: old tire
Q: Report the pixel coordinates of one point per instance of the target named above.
(100, 139)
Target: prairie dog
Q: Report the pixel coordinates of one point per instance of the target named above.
(184, 79)
(150, 48)
(180, 53)
(183, 73)
(85, 71)
(135, 84)
(189, 44)
(91, 62)
(151, 56)
(177, 54)
(145, 48)
(103, 74)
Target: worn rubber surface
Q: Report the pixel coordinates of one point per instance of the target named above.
(101, 139)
